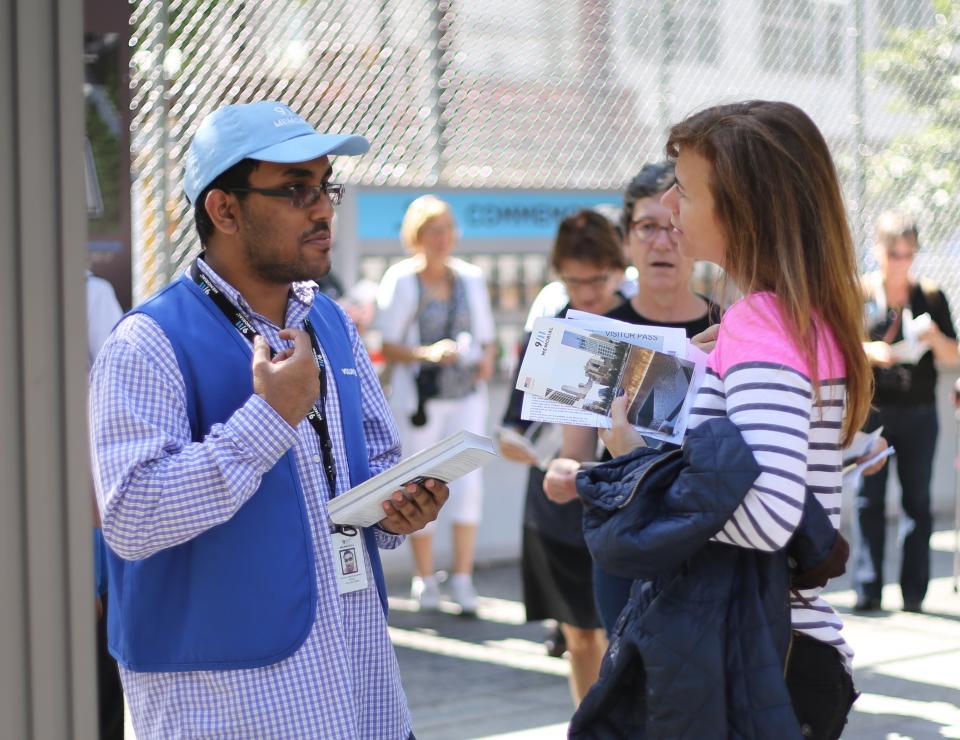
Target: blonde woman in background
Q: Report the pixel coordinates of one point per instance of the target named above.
(438, 334)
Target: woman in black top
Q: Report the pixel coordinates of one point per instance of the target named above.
(664, 298)
(904, 404)
(556, 565)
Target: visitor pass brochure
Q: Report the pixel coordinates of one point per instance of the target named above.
(575, 367)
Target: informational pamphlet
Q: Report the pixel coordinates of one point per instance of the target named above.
(578, 365)
(669, 339)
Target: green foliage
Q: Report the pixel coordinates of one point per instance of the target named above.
(920, 169)
(106, 155)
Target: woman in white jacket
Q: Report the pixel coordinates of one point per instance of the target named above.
(433, 311)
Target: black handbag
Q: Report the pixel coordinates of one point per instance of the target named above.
(428, 377)
(428, 386)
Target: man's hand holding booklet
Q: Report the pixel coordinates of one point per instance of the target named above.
(575, 367)
(447, 460)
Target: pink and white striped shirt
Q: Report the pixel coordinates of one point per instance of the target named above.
(758, 378)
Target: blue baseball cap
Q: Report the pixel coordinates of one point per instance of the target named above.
(268, 131)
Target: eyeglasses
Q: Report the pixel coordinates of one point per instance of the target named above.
(900, 256)
(646, 230)
(300, 195)
(574, 283)
(438, 226)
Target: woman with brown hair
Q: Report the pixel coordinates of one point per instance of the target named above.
(757, 193)
(556, 565)
(662, 295)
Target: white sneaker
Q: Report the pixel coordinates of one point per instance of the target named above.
(464, 593)
(425, 592)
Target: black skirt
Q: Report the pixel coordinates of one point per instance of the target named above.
(557, 581)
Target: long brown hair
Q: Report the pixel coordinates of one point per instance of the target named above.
(778, 199)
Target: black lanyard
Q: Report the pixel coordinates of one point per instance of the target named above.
(316, 416)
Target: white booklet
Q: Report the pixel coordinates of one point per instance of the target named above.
(447, 460)
(575, 364)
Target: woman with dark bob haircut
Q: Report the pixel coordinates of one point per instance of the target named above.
(556, 567)
(757, 194)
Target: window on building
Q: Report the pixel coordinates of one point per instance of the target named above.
(909, 13)
(832, 61)
(696, 26)
(802, 36)
(674, 31)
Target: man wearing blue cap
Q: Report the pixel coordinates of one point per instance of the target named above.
(225, 412)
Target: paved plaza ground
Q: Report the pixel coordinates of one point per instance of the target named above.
(489, 677)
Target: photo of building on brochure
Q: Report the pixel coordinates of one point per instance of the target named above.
(587, 371)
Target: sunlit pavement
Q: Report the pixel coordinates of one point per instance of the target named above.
(489, 677)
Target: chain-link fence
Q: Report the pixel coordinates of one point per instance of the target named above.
(552, 93)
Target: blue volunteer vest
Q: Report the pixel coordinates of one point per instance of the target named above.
(242, 594)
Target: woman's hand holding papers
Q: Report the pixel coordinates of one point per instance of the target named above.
(706, 340)
(513, 446)
(516, 453)
(879, 446)
(411, 509)
(443, 352)
(560, 482)
(879, 353)
(621, 438)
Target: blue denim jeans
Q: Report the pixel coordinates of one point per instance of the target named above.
(611, 594)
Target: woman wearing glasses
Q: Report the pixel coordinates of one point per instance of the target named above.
(904, 404)
(557, 569)
(663, 297)
(434, 314)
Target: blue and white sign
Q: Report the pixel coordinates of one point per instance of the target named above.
(481, 214)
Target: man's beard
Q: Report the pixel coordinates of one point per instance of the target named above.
(269, 268)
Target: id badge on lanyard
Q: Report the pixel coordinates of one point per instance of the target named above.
(349, 564)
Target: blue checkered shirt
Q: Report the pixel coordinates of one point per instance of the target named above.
(157, 489)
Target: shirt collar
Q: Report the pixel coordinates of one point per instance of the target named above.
(299, 300)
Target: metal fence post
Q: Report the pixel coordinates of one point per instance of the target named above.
(167, 268)
(859, 129)
(665, 65)
(438, 29)
(47, 668)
